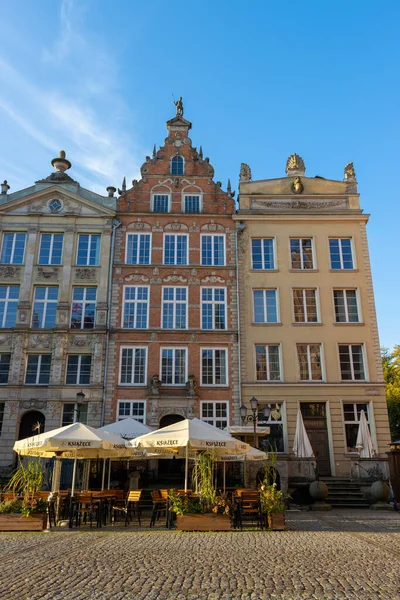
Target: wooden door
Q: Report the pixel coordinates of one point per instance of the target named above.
(314, 417)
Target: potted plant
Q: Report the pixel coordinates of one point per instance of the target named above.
(208, 510)
(271, 499)
(24, 511)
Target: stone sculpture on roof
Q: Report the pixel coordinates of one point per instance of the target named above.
(295, 165)
(245, 172)
(349, 172)
(179, 107)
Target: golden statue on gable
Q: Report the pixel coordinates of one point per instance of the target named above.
(297, 186)
(349, 172)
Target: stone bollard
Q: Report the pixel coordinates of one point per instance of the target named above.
(319, 491)
(380, 494)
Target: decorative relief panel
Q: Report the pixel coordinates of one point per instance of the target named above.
(12, 272)
(212, 227)
(136, 277)
(5, 340)
(19, 344)
(85, 273)
(97, 370)
(341, 203)
(12, 407)
(174, 279)
(33, 403)
(59, 352)
(213, 279)
(79, 340)
(47, 273)
(40, 341)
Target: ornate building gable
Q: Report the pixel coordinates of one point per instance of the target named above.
(176, 169)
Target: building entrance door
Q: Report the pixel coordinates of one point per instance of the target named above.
(314, 417)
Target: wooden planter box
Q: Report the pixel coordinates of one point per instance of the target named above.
(16, 522)
(204, 522)
(276, 521)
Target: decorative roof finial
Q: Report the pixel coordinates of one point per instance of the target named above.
(154, 152)
(124, 184)
(111, 191)
(201, 153)
(179, 107)
(61, 163)
(295, 165)
(349, 172)
(228, 187)
(245, 172)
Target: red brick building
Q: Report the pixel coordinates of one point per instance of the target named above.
(173, 342)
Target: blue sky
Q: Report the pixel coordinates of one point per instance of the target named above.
(259, 80)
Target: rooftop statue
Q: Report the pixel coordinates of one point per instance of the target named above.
(245, 172)
(349, 172)
(295, 165)
(179, 107)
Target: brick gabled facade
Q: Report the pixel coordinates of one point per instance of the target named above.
(164, 363)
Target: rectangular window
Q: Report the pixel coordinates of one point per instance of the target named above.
(88, 250)
(192, 204)
(215, 414)
(2, 408)
(268, 363)
(133, 366)
(310, 364)
(352, 362)
(214, 366)
(341, 253)
(134, 409)
(305, 306)
(301, 253)
(83, 313)
(262, 254)
(176, 249)
(346, 307)
(38, 369)
(9, 295)
(44, 307)
(69, 413)
(161, 203)
(265, 306)
(136, 307)
(4, 368)
(213, 250)
(13, 248)
(50, 251)
(138, 248)
(274, 440)
(78, 369)
(213, 308)
(174, 308)
(351, 413)
(173, 366)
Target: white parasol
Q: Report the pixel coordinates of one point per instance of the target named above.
(364, 443)
(301, 446)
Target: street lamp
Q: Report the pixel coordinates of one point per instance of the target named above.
(254, 417)
(79, 401)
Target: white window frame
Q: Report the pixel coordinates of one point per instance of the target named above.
(174, 348)
(139, 234)
(200, 196)
(46, 302)
(353, 253)
(146, 357)
(39, 365)
(131, 416)
(274, 267)
(264, 290)
(168, 194)
(346, 308)
(317, 304)
(214, 418)
(370, 420)
(14, 234)
(213, 304)
(78, 372)
(322, 359)
(365, 363)
(268, 368)
(213, 349)
(135, 302)
(313, 253)
(212, 235)
(7, 300)
(87, 263)
(50, 262)
(176, 249)
(174, 303)
(84, 302)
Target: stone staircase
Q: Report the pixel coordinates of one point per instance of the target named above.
(344, 493)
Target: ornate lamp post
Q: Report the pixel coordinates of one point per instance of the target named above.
(79, 401)
(254, 417)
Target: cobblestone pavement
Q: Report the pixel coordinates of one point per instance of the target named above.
(352, 555)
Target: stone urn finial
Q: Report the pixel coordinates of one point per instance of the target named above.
(61, 163)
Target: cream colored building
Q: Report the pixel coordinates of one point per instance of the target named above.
(55, 246)
(308, 329)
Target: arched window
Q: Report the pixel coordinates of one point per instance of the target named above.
(177, 165)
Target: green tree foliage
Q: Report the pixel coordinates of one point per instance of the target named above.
(391, 372)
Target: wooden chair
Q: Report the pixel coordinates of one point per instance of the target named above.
(133, 506)
(160, 505)
(249, 506)
(84, 506)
